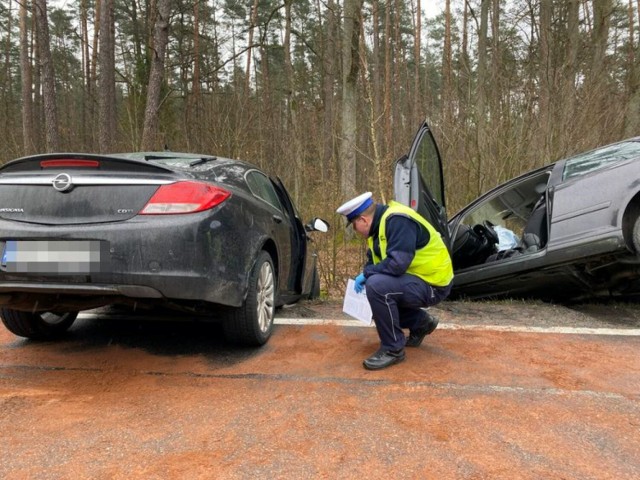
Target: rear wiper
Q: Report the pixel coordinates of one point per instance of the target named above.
(202, 160)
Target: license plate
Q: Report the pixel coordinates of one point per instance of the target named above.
(55, 256)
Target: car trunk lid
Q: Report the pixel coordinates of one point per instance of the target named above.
(73, 189)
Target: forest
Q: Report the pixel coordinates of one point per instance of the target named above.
(325, 94)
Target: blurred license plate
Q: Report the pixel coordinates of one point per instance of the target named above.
(55, 256)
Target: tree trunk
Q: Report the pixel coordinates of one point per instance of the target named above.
(376, 159)
(150, 138)
(25, 66)
(545, 74)
(107, 78)
(38, 114)
(632, 118)
(465, 69)
(388, 73)
(97, 15)
(482, 130)
(295, 147)
(52, 137)
(597, 75)
(496, 69)
(350, 45)
(388, 77)
(376, 70)
(418, 114)
(569, 71)
(328, 80)
(86, 71)
(8, 87)
(447, 108)
(252, 26)
(482, 61)
(195, 91)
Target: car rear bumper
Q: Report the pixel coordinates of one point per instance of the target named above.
(186, 257)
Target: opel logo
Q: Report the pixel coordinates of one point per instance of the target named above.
(62, 182)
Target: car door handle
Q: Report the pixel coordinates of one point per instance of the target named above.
(277, 218)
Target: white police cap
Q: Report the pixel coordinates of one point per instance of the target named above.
(354, 207)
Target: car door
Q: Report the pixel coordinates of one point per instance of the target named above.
(418, 181)
(279, 227)
(300, 277)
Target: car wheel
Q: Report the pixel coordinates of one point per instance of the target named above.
(37, 325)
(252, 323)
(315, 285)
(636, 236)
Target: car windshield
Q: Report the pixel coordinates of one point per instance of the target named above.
(600, 158)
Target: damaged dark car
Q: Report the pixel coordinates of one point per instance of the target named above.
(214, 237)
(565, 232)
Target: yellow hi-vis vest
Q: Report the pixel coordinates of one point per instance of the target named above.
(431, 263)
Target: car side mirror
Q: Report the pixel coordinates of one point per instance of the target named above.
(317, 225)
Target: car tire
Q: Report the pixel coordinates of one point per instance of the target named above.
(636, 236)
(315, 285)
(252, 323)
(37, 325)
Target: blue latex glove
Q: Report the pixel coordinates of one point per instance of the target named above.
(359, 285)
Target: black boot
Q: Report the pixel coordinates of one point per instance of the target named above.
(383, 359)
(416, 336)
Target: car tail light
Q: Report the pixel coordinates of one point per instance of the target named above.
(65, 163)
(185, 197)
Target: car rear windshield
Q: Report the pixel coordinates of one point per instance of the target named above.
(600, 158)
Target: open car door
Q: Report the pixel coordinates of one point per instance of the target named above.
(418, 181)
(302, 261)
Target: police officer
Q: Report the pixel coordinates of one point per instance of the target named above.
(408, 268)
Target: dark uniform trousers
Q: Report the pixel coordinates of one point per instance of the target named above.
(397, 302)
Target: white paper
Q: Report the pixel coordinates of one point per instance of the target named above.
(356, 305)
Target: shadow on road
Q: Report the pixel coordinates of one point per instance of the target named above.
(164, 335)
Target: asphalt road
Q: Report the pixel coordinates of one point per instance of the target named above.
(128, 398)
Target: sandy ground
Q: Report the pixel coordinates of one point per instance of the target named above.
(127, 398)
